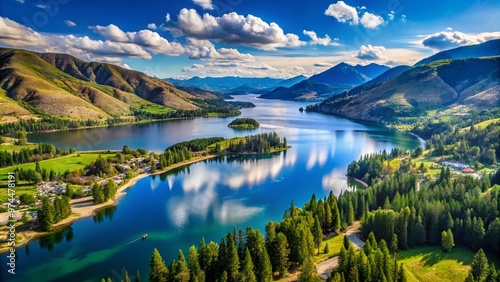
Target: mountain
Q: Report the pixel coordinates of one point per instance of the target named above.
(452, 86)
(228, 83)
(64, 86)
(291, 81)
(489, 48)
(304, 90)
(345, 74)
(392, 72)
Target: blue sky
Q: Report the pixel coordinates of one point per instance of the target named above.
(246, 37)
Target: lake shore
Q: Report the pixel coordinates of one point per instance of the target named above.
(84, 207)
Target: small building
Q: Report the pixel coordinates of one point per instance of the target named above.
(468, 170)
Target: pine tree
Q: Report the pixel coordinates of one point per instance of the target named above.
(181, 268)
(308, 273)
(326, 249)
(479, 266)
(281, 254)
(478, 233)
(447, 241)
(246, 274)
(195, 272)
(46, 215)
(317, 233)
(232, 259)
(157, 268)
(394, 245)
(347, 244)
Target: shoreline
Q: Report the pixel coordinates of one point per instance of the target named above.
(88, 208)
(84, 207)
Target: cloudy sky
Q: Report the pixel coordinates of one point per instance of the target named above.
(183, 38)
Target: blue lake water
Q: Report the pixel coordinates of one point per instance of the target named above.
(205, 199)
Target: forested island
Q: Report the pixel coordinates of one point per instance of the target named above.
(244, 123)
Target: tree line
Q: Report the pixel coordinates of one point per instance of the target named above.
(27, 155)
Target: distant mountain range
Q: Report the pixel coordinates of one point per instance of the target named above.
(422, 91)
(228, 83)
(328, 83)
(64, 86)
(345, 74)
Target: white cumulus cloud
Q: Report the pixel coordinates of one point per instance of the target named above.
(349, 14)
(315, 40)
(145, 38)
(343, 13)
(205, 4)
(152, 26)
(233, 29)
(371, 53)
(451, 39)
(371, 21)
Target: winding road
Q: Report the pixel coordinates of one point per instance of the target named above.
(325, 268)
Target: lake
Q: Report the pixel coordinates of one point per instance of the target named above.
(205, 199)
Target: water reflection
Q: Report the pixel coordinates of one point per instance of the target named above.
(49, 241)
(107, 213)
(335, 181)
(200, 199)
(318, 155)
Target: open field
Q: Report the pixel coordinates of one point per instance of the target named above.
(334, 246)
(61, 164)
(433, 265)
(10, 147)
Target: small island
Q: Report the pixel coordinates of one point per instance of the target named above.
(244, 123)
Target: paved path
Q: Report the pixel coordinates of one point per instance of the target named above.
(325, 268)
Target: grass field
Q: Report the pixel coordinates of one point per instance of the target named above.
(433, 265)
(71, 162)
(334, 246)
(9, 147)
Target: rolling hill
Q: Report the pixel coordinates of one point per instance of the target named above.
(489, 48)
(64, 86)
(455, 86)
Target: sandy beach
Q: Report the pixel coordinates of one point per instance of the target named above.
(83, 208)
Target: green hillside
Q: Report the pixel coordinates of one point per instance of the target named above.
(437, 89)
(63, 86)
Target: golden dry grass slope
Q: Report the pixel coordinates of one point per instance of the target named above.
(64, 86)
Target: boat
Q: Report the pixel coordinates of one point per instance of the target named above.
(144, 236)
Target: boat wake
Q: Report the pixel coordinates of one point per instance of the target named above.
(133, 241)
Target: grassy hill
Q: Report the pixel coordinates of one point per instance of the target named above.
(451, 87)
(64, 86)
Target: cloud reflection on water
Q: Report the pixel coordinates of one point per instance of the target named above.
(200, 199)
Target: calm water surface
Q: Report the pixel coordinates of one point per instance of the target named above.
(205, 199)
